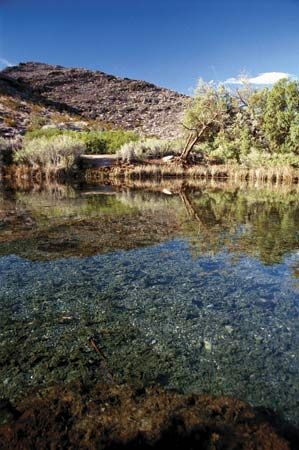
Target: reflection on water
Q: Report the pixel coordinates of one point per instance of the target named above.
(197, 290)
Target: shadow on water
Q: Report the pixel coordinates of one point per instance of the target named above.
(194, 289)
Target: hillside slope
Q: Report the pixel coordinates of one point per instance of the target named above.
(121, 102)
(23, 108)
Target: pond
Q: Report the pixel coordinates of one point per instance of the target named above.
(195, 288)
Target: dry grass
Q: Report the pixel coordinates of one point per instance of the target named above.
(212, 172)
(172, 175)
(10, 103)
(10, 121)
(22, 173)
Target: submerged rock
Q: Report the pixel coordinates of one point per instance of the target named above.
(116, 416)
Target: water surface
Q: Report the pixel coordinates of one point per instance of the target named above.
(197, 290)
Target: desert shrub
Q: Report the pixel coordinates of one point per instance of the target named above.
(57, 152)
(149, 149)
(10, 121)
(127, 152)
(37, 121)
(4, 144)
(96, 142)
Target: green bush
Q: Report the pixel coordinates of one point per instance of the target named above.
(114, 140)
(92, 140)
(258, 159)
(37, 121)
(47, 133)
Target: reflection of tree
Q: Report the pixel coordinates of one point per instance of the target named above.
(257, 223)
(205, 216)
(191, 211)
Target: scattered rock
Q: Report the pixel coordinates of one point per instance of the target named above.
(207, 345)
(168, 158)
(50, 126)
(74, 126)
(167, 192)
(229, 329)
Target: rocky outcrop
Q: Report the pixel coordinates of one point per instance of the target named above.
(121, 102)
(20, 105)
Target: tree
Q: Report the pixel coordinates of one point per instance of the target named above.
(245, 126)
(209, 111)
(281, 117)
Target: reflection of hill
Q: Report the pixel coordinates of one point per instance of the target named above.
(61, 221)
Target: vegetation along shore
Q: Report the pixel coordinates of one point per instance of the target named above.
(242, 134)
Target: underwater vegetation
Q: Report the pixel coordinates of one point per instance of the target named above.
(195, 290)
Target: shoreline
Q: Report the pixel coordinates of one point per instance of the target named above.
(195, 172)
(155, 172)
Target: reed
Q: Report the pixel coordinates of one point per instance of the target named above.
(158, 172)
(282, 174)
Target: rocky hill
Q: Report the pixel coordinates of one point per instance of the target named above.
(120, 102)
(22, 108)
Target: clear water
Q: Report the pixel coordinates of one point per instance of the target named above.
(197, 291)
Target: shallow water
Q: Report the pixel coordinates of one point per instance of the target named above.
(198, 290)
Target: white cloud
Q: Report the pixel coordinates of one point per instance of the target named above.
(262, 79)
(5, 63)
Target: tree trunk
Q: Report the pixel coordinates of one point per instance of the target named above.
(194, 138)
(191, 142)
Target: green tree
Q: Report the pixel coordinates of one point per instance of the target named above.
(246, 126)
(208, 112)
(281, 117)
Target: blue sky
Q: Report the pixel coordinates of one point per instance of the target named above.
(169, 42)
